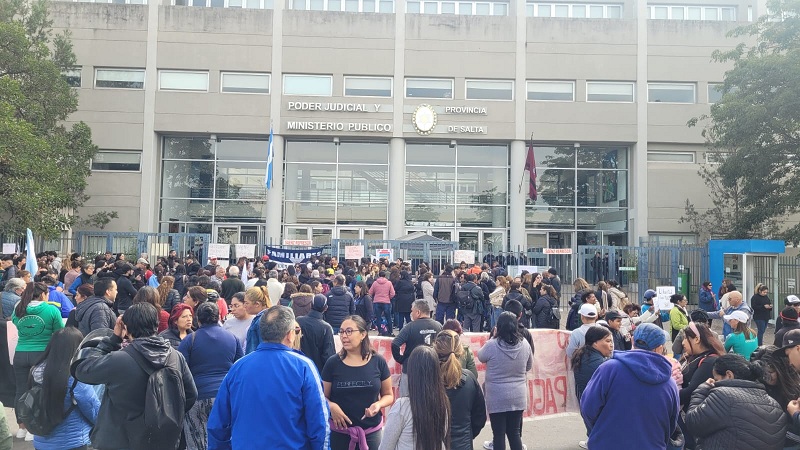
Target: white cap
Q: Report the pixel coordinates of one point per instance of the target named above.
(588, 310)
(741, 316)
(793, 299)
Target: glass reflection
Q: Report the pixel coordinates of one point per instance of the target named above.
(187, 179)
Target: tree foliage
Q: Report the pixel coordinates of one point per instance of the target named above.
(756, 126)
(43, 163)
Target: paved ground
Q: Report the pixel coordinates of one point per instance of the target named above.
(557, 433)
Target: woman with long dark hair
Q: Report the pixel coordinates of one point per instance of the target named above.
(422, 420)
(168, 295)
(508, 359)
(357, 384)
(732, 410)
(36, 321)
(363, 302)
(467, 404)
(598, 347)
(69, 406)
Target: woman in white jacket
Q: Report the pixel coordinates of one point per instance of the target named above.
(427, 291)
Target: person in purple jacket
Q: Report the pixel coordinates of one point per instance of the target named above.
(607, 405)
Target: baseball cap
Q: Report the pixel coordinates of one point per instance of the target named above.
(320, 301)
(613, 315)
(588, 310)
(648, 336)
(648, 294)
(142, 261)
(741, 316)
(790, 339)
(792, 299)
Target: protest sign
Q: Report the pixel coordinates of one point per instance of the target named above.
(662, 298)
(551, 384)
(246, 250)
(353, 252)
(219, 251)
(9, 248)
(467, 256)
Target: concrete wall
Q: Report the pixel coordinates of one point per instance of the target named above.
(340, 44)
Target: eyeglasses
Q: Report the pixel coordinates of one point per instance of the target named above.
(347, 331)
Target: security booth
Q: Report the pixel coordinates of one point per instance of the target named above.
(746, 263)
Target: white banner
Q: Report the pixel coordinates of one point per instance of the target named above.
(219, 251)
(467, 256)
(246, 250)
(9, 248)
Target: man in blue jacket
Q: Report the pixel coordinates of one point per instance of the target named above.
(610, 401)
(288, 413)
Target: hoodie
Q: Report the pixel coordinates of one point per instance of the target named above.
(301, 304)
(120, 418)
(507, 367)
(606, 403)
(381, 291)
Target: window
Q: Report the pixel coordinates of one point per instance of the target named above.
(714, 92)
(367, 87)
(119, 78)
(594, 11)
(245, 83)
(670, 93)
(118, 161)
(318, 85)
(551, 91)
(609, 92)
(249, 4)
(179, 80)
(383, 6)
(429, 88)
(671, 157)
(464, 8)
(490, 90)
(72, 77)
(664, 12)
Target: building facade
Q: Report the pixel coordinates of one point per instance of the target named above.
(393, 116)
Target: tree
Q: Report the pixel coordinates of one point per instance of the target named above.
(756, 125)
(43, 164)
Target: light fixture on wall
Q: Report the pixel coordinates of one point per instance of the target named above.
(577, 145)
(336, 141)
(453, 143)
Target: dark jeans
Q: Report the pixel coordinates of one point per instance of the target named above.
(341, 441)
(383, 310)
(762, 327)
(23, 361)
(506, 425)
(445, 311)
(403, 318)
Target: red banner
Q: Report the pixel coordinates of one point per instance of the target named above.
(551, 385)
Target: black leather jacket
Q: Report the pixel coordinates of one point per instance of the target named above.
(469, 412)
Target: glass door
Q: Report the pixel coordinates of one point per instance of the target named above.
(226, 234)
(349, 233)
(373, 235)
(443, 235)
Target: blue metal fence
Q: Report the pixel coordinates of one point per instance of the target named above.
(91, 243)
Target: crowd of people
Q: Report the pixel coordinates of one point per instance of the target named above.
(174, 354)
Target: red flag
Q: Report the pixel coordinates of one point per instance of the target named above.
(530, 166)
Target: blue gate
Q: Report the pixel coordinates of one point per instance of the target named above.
(132, 244)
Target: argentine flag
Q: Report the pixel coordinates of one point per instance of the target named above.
(268, 176)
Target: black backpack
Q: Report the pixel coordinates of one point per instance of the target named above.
(164, 404)
(555, 316)
(29, 410)
(465, 301)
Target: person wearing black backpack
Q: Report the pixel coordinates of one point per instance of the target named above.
(545, 312)
(132, 415)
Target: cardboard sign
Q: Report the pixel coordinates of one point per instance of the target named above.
(246, 250)
(219, 251)
(663, 295)
(9, 248)
(387, 253)
(353, 252)
(467, 256)
(551, 383)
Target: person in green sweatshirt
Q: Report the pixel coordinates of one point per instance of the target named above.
(36, 321)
